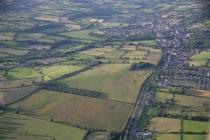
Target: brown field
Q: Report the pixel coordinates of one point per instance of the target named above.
(5, 84)
(77, 110)
(201, 93)
(8, 96)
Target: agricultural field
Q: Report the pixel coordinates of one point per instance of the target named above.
(56, 71)
(201, 59)
(168, 137)
(12, 51)
(20, 127)
(11, 95)
(63, 107)
(23, 72)
(196, 126)
(6, 84)
(116, 81)
(170, 125)
(199, 103)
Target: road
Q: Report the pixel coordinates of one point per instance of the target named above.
(140, 104)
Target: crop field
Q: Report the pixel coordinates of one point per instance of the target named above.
(170, 125)
(56, 71)
(76, 110)
(99, 136)
(23, 72)
(116, 81)
(21, 127)
(14, 94)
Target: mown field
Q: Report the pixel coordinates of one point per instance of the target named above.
(20, 127)
(76, 110)
(116, 81)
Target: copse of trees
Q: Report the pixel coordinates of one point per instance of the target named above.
(141, 65)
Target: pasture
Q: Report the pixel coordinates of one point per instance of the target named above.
(56, 71)
(116, 81)
(76, 110)
(197, 103)
(23, 72)
(196, 126)
(168, 137)
(20, 127)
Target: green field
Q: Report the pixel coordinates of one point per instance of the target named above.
(178, 137)
(116, 81)
(200, 59)
(56, 71)
(168, 137)
(77, 110)
(148, 114)
(81, 35)
(195, 137)
(200, 103)
(196, 126)
(23, 72)
(20, 127)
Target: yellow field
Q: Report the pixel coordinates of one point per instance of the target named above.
(170, 125)
(52, 72)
